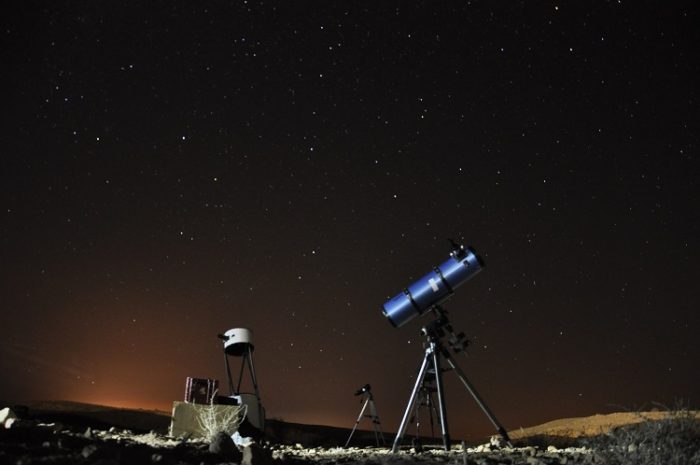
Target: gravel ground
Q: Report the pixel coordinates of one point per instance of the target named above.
(29, 442)
(481, 455)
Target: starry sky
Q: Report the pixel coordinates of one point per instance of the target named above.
(171, 170)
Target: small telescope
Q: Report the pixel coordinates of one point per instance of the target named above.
(433, 288)
(363, 389)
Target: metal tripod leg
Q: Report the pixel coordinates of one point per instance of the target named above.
(430, 404)
(252, 372)
(228, 373)
(425, 399)
(240, 374)
(359, 417)
(412, 400)
(441, 398)
(460, 374)
(375, 421)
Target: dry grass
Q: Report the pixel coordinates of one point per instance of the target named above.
(213, 420)
(672, 440)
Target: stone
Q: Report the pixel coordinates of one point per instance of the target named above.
(223, 445)
(7, 417)
(256, 455)
(89, 450)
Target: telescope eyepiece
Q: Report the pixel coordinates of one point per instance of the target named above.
(363, 389)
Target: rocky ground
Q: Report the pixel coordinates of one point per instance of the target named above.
(79, 434)
(481, 455)
(34, 442)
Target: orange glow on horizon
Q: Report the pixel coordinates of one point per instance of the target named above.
(125, 403)
(314, 418)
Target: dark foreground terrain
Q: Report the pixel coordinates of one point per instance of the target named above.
(53, 443)
(72, 437)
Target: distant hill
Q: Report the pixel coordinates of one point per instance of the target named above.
(589, 426)
(104, 417)
(96, 416)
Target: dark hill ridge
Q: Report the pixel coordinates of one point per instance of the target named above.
(95, 416)
(141, 421)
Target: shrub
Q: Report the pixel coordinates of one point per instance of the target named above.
(673, 440)
(214, 419)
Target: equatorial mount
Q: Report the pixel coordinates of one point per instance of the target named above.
(441, 327)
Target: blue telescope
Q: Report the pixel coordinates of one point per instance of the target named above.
(433, 288)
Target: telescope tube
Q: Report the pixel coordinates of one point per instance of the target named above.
(433, 288)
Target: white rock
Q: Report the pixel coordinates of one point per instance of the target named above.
(241, 441)
(7, 417)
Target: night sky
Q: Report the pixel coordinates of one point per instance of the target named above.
(171, 170)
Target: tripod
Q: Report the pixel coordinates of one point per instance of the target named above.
(431, 362)
(425, 401)
(247, 360)
(369, 401)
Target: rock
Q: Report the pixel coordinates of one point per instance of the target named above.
(256, 455)
(56, 427)
(223, 445)
(241, 441)
(7, 417)
(89, 450)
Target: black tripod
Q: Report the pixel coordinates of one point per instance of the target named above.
(425, 401)
(245, 351)
(373, 416)
(431, 363)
